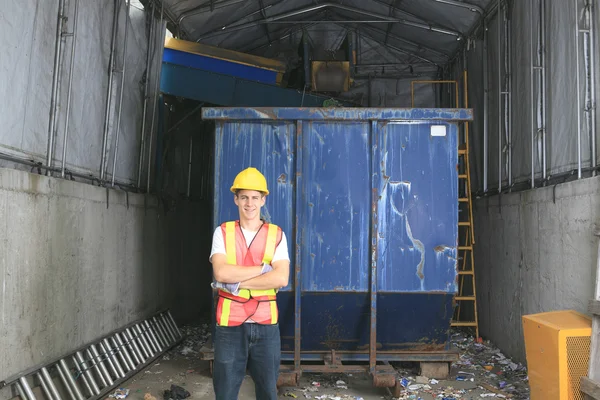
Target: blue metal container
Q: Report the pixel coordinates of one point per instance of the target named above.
(368, 199)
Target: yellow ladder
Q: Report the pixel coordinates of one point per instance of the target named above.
(466, 299)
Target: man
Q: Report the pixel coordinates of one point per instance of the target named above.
(250, 263)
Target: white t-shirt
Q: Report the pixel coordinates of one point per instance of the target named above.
(218, 244)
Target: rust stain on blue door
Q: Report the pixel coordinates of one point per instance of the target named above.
(418, 207)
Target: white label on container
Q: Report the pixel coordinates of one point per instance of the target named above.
(438, 130)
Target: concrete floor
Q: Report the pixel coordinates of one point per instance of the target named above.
(182, 367)
(194, 376)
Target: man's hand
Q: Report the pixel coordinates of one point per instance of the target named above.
(233, 288)
(266, 268)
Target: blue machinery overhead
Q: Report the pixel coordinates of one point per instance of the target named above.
(227, 78)
(369, 197)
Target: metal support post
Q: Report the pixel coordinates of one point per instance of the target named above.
(509, 89)
(485, 108)
(69, 90)
(306, 56)
(111, 70)
(145, 107)
(298, 252)
(55, 86)
(579, 174)
(161, 45)
(531, 95)
(499, 17)
(592, 78)
(506, 98)
(189, 180)
(542, 88)
(590, 82)
(114, 169)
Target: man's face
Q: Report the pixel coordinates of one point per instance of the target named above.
(249, 203)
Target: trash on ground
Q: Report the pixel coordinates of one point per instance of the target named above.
(176, 393)
(120, 394)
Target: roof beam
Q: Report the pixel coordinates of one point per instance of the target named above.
(399, 50)
(399, 10)
(410, 42)
(264, 15)
(206, 8)
(379, 18)
(389, 28)
(287, 33)
(462, 4)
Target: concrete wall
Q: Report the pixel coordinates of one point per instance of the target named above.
(73, 268)
(535, 252)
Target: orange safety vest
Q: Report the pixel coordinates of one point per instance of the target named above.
(258, 305)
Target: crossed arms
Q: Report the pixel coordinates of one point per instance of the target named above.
(251, 277)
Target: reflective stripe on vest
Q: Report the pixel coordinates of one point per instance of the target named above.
(260, 305)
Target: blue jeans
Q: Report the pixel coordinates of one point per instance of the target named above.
(255, 346)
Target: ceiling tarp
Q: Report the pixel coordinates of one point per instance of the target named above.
(431, 29)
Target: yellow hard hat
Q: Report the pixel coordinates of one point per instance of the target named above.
(250, 179)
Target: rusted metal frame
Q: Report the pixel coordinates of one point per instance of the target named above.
(333, 113)
(382, 355)
(374, 236)
(298, 259)
(332, 368)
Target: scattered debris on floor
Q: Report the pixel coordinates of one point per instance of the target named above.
(176, 393)
(324, 387)
(119, 394)
(481, 372)
(194, 338)
(482, 369)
